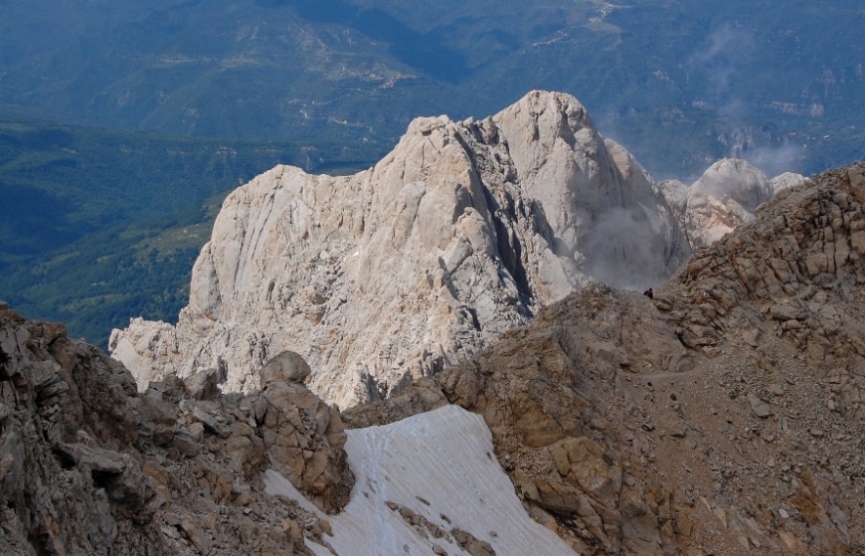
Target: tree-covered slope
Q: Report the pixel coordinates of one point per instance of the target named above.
(680, 83)
(97, 226)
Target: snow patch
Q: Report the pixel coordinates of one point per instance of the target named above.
(440, 465)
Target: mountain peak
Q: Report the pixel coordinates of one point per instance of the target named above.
(462, 232)
(726, 195)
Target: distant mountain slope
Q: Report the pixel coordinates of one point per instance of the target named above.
(98, 225)
(679, 83)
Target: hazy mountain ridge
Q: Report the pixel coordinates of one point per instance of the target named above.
(680, 84)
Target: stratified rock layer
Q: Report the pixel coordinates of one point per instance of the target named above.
(462, 232)
(724, 416)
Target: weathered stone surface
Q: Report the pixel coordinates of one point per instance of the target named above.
(94, 468)
(288, 366)
(726, 195)
(203, 385)
(465, 230)
(303, 436)
(786, 181)
(759, 407)
(93, 458)
(472, 544)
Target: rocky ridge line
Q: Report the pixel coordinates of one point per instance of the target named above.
(462, 232)
(725, 416)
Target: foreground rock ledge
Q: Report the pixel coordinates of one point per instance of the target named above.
(88, 466)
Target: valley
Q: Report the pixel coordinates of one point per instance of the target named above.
(681, 84)
(97, 226)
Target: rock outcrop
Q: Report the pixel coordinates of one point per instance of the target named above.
(302, 434)
(462, 232)
(724, 416)
(88, 466)
(726, 195)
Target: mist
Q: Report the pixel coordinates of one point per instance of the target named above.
(718, 62)
(621, 252)
(777, 160)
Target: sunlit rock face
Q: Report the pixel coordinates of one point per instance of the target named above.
(726, 195)
(462, 232)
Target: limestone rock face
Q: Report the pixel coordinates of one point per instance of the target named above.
(726, 195)
(462, 232)
(786, 180)
(303, 436)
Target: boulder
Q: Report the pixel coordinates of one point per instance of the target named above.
(288, 366)
(304, 438)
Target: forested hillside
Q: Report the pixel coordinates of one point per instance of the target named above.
(678, 83)
(97, 226)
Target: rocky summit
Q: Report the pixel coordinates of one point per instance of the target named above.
(726, 195)
(462, 232)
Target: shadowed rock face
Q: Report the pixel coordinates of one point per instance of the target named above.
(465, 230)
(724, 416)
(90, 466)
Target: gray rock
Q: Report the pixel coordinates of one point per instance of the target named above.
(288, 366)
(196, 535)
(203, 385)
(185, 443)
(207, 420)
(196, 431)
(161, 434)
(94, 458)
(759, 407)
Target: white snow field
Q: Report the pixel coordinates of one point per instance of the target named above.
(440, 465)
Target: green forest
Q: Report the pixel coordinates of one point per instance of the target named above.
(97, 226)
(679, 84)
